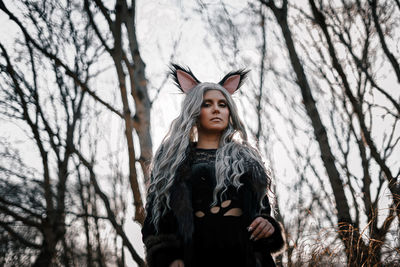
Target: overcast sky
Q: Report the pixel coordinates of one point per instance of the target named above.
(159, 25)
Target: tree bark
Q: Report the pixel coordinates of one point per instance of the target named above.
(141, 121)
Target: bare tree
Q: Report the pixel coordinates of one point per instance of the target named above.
(99, 28)
(358, 250)
(127, 56)
(54, 143)
(132, 81)
(45, 82)
(331, 121)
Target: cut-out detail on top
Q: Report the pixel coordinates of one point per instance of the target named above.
(215, 209)
(226, 203)
(199, 214)
(236, 212)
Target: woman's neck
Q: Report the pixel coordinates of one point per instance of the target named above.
(208, 140)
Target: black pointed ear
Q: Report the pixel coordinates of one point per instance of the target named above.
(233, 80)
(183, 78)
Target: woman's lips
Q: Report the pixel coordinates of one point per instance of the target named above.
(216, 119)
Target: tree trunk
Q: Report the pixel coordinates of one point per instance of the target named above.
(394, 187)
(48, 251)
(355, 248)
(140, 94)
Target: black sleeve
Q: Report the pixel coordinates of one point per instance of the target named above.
(258, 179)
(275, 242)
(162, 246)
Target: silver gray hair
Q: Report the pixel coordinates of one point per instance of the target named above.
(233, 153)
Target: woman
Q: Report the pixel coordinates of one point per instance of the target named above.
(207, 203)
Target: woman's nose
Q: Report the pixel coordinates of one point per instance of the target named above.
(216, 109)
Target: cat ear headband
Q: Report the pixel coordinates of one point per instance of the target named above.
(186, 81)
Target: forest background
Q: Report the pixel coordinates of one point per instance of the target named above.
(85, 100)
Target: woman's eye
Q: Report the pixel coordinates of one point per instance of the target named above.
(205, 105)
(223, 105)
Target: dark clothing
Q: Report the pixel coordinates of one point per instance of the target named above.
(219, 235)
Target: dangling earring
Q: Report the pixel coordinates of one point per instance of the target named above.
(194, 132)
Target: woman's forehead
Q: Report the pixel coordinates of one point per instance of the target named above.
(214, 94)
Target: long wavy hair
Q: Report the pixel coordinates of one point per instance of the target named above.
(232, 155)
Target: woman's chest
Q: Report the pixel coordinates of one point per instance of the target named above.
(228, 200)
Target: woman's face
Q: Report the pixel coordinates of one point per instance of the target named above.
(214, 113)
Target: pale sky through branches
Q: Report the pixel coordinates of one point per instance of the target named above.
(188, 33)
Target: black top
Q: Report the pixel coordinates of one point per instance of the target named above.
(220, 231)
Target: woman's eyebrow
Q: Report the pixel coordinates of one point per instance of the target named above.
(210, 100)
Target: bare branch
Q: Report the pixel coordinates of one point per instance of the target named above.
(18, 236)
(111, 216)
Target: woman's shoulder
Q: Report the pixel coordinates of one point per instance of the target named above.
(250, 154)
(254, 164)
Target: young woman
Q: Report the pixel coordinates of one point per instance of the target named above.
(207, 203)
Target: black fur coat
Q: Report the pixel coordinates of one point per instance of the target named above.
(173, 239)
